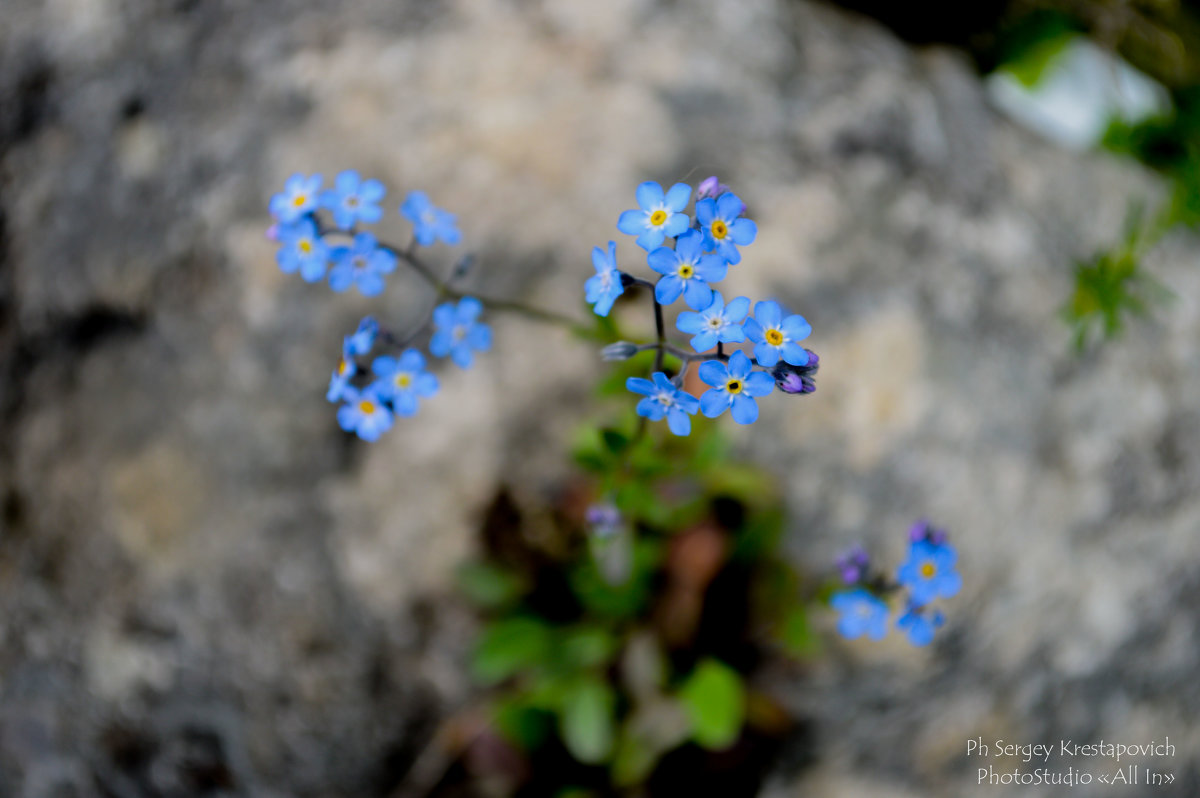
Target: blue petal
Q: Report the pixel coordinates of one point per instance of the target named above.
(651, 409)
(341, 277)
(663, 383)
(347, 416)
(697, 294)
(649, 195)
(370, 284)
(414, 205)
(384, 366)
(729, 252)
(743, 232)
(600, 260)
(663, 260)
(640, 385)
(440, 343)
(412, 360)
(745, 409)
(759, 383)
(679, 421)
(753, 330)
(462, 357)
(729, 207)
(713, 372)
(651, 238)
(765, 354)
(739, 365)
(632, 222)
(405, 403)
(668, 289)
(712, 268)
(372, 191)
(768, 314)
(686, 402)
(426, 385)
(347, 181)
(443, 315)
(949, 585)
(796, 328)
(678, 196)
(714, 402)
(690, 322)
(688, 246)
(704, 341)
(794, 353)
(480, 337)
(676, 225)
(706, 211)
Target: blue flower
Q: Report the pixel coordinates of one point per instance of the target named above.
(363, 264)
(362, 340)
(775, 337)
(403, 380)
(364, 413)
(734, 386)
(301, 248)
(353, 200)
(686, 270)
(457, 332)
(340, 381)
(603, 288)
(929, 573)
(298, 198)
(429, 222)
(659, 217)
(723, 230)
(919, 626)
(862, 612)
(664, 399)
(717, 322)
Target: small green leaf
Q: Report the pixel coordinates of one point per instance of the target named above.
(586, 720)
(587, 647)
(508, 646)
(521, 723)
(715, 699)
(796, 633)
(488, 585)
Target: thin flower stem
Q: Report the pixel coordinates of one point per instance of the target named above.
(662, 335)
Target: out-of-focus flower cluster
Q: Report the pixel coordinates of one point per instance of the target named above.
(690, 254)
(926, 575)
(371, 395)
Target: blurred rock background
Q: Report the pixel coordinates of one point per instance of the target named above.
(206, 588)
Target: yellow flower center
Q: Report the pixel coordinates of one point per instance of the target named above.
(367, 408)
(928, 570)
(734, 385)
(352, 201)
(360, 263)
(686, 270)
(719, 230)
(403, 380)
(774, 337)
(459, 333)
(665, 399)
(343, 367)
(658, 218)
(304, 246)
(299, 200)
(715, 322)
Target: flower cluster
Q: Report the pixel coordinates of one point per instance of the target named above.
(690, 254)
(927, 574)
(316, 247)
(370, 395)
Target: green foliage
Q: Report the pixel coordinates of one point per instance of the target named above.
(716, 704)
(586, 719)
(1031, 45)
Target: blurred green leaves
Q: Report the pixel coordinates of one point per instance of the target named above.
(716, 704)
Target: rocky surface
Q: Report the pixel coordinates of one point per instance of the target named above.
(206, 588)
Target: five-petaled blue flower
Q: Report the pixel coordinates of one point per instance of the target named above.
(301, 248)
(429, 221)
(686, 270)
(862, 612)
(663, 398)
(298, 199)
(353, 200)
(929, 573)
(723, 230)
(734, 386)
(363, 339)
(404, 379)
(919, 626)
(364, 413)
(775, 337)
(363, 263)
(659, 216)
(603, 288)
(716, 323)
(458, 333)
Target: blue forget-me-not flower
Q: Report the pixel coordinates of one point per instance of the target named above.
(363, 263)
(776, 337)
(603, 288)
(429, 221)
(301, 248)
(458, 333)
(919, 625)
(353, 200)
(364, 413)
(735, 385)
(658, 216)
(724, 230)
(299, 198)
(686, 270)
(862, 612)
(404, 379)
(663, 398)
(717, 323)
(929, 573)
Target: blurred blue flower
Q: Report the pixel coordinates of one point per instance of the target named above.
(686, 270)
(457, 332)
(861, 612)
(364, 413)
(658, 216)
(363, 263)
(298, 198)
(362, 340)
(776, 337)
(918, 625)
(603, 288)
(301, 247)
(723, 230)
(340, 381)
(403, 379)
(734, 386)
(353, 200)
(716, 323)
(663, 398)
(929, 573)
(429, 222)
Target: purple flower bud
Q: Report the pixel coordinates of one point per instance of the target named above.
(604, 519)
(923, 530)
(853, 565)
(711, 187)
(273, 232)
(797, 379)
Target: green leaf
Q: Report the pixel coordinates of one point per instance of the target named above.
(796, 633)
(587, 647)
(586, 720)
(521, 723)
(715, 699)
(508, 646)
(488, 585)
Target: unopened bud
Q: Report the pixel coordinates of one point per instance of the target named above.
(621, 350)
(711, 187)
